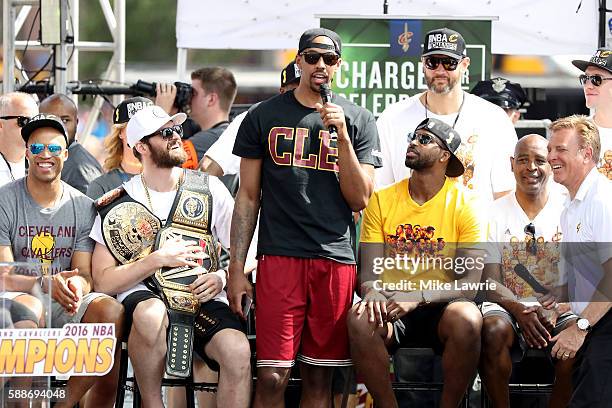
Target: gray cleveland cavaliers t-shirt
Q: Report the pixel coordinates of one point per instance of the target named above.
(48, 236)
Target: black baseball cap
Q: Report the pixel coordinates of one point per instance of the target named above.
(444, 41)
(306, 40)
(601, 59)
(126, 109)
(501, 92)
(450, 141)
(290, 74)
(43, 120)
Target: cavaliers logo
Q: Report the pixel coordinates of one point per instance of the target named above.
(452, 38)
(405, 38)
(605, 54)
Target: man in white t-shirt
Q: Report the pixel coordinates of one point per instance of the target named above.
(16, 109)
(597, 85)
(586, 222)
(523, 229)
(488, 137)
(155, 138)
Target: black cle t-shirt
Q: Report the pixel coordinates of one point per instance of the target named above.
(303, 212)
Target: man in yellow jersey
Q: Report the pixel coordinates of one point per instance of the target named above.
(420, 266)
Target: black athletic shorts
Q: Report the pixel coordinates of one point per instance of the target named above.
(221, 311)
(419, 328)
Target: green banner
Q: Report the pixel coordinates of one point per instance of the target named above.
(381, 61)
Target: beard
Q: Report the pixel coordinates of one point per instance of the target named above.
(169, 157)
(420, 161)
(417, 163)
(441, 89)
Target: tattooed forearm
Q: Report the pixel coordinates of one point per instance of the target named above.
(244, 219)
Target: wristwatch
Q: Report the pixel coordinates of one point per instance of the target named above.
(583, 324)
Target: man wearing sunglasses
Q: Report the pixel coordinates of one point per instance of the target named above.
(45, 221)
(420, 219)
(307, 180)
(597, 85)
(524, 227)
(155, 138)
(16, 109)
(81, 167)
(488, 135)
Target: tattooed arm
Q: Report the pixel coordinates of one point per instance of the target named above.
(244, 219)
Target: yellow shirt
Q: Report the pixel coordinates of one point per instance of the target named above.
(423, 237)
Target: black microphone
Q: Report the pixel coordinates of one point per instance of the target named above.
(524, 274)
(325, 91)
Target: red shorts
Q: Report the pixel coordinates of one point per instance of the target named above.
(302, 306)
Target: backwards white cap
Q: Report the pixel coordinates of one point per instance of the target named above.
(148, 121)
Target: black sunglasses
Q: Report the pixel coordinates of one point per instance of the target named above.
(422, 138)
(449, 64)
(596, 80)
(21, 120)
(312, 57)
(168, 133)
(529, 230)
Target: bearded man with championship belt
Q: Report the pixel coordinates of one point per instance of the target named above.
(156, 249)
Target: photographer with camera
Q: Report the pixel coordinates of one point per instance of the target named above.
(173, 98)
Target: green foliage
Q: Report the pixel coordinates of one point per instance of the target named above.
(150, 34)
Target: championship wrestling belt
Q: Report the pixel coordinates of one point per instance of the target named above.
(129, 229)
(189, 219)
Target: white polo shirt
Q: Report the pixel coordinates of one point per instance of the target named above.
(586, 223)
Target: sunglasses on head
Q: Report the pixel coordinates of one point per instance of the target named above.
(168, 133)
(529, 230)
(422, 138)
(329, 58)
(449, 64)
(21, 120)
(54, 149)
(596, 80)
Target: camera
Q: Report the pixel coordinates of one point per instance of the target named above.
(183, 92)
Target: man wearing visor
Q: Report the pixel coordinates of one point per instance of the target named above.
(488, 137)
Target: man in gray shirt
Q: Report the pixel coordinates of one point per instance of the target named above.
(45, 221)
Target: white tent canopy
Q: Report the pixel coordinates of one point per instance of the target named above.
(525, 27)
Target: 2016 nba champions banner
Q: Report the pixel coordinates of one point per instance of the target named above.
(381, 61)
